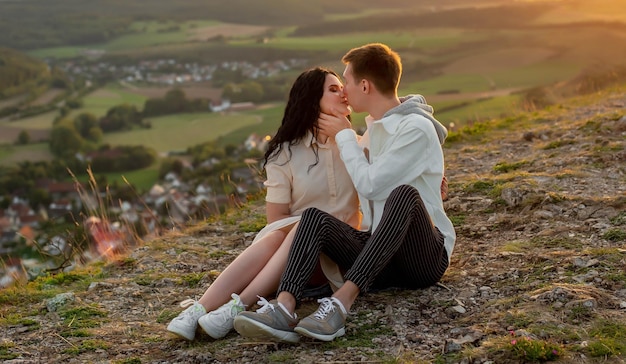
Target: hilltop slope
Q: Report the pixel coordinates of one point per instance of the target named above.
(538, 271)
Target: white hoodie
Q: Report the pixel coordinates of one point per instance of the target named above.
(404, 148)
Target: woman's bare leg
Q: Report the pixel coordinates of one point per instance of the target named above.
(266, 281)
(242, 271)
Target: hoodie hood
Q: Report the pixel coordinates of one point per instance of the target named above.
(416, 104)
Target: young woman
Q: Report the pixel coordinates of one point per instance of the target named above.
(303, 170)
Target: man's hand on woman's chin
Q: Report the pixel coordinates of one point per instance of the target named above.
(333, 124)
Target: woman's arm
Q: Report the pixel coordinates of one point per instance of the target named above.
(276, 211)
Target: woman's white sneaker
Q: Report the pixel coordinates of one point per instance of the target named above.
(218, 323)
(186, 324)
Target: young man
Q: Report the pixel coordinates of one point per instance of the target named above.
(397, 168)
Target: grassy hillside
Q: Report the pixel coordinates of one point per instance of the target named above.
(537, 275)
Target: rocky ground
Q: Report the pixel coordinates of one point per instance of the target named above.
(538, 272)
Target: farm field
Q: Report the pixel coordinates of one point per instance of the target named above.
(100, 101)
(177, 132)
(37, 126)
(13, 154)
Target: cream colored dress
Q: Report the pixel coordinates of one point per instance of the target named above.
(292, 178)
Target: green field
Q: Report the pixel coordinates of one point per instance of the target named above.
(37, 122)
(13, 154)
(100, 101)
(177, 132)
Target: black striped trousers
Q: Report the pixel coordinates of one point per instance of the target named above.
(406, 250)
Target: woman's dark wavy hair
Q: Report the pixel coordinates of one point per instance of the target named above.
(301, 112)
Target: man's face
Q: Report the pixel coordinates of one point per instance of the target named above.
(352, 89)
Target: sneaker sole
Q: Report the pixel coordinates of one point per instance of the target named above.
(176, 331)
(211, 331)
(304, 332)
(254, 329)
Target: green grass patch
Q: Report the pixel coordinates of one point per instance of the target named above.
(5, 351)
(61, 279)
(166, 316)
(192, 279)
(504, 167)
(83, 317)
(218, 254)
(457, 220)
(535, 350)
(608, 339)
(481, 186)
(75, 333)
(614, 235)
(555, 242)
(558, 143)
(244, 218)
(619, 219)
(30, 294)
(519, 320)
(86, 346)
(14, 319)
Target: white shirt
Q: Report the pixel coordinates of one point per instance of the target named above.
(403, 149)
(326, 186)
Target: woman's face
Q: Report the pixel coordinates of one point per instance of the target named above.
(333, 98)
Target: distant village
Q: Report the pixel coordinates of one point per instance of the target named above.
(169, 204)
(169, 72)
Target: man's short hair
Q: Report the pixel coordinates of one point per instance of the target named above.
(377, 63)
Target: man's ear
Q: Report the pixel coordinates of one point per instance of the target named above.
(365, 84)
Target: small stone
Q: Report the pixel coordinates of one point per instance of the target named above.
(60, 300)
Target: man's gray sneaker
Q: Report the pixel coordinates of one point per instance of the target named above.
(218, 323)
(271, 321)
(185, 324)
(327, 323)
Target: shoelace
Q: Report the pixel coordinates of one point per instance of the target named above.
(237, 305)
(326, 307)
(186, 303)
(265, 305)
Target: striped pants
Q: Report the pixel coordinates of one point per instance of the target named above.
(406, 250)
